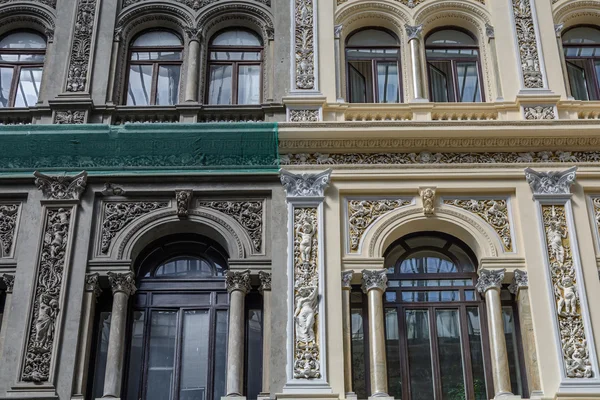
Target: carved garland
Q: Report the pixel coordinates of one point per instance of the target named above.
(304, 49)
(494, 212)
(573, 340)
(79, 59)
(48, 286)
(306, 294)
(363, 213)
(8, 225)
(117, 216)
(528, 44)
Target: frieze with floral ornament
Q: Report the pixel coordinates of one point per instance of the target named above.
(69, 117)
(539, 112)
(363, 213)
(50, 3)
(408, 3)
(492, 211)
(8, 227)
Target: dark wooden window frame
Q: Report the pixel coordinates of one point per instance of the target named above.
(592, 78)
(453, 63)
(18, 65)
(235, 66)
(374, 62)
(156, 64)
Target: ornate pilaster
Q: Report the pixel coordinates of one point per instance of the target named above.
(82, 46)
(304, 43)
(551, 190)
(265, 281)
(9, 281)
(306, 306)
(520, 281)
(413, 34)
(9, 214)
(526, 32)
(265, 290)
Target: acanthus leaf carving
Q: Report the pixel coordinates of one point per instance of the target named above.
(551, 182)
(9, 282)
(489, 279)
(347, 279)
(374, 280)
(304, 47)
(8, 227)
(305, 185)
(265, 281)
(117, 215)
(79, 59)
(520, 281)
(528, 44)
(238, 280)
(124, 283)
(92, 284)
(61, 187)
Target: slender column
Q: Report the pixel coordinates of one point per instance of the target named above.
(374, 284)
(191, 82)
(265, 290)
(489, 283)
(520, 288)
(114, 58)
(92, 291)
(337, 33)
(489, 31)
(123, 286)
(238, 284)
(9, 281)
(414, 41)
(563, 63)
(347, 326)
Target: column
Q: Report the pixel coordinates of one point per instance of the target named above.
(520, 288)
(489, 284)
(337, 33)
(265, 290)
(123, 286)
(9, 281)
(413, 34)
(374, 284)
(563, 63)
(191, 82)
(114, 60)
(347, 329)
(88, 311)
(238, 284)
(489, 31)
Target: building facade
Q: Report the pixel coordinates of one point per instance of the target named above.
(299, 199)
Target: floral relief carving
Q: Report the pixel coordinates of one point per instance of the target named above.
(69, 117)
(193, 4)
(528, 44)
(306, 294)
(304, 47)
(374, 279)
(520, 281)
(596, 205)
(117, 216)
(492, 211)
(363, 213)
(238, 280)
(249, 214)
(61, 187)
(572, 333)
(265, 281)
(305, 185)
(428, 200)
(48, 287)
(9, 282)
(8, 227)
(489, 279)
(304, 115)
(551, 182)
(92, 284)
(539, 112)
(79, 59)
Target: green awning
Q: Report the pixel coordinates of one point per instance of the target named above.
(139, 148)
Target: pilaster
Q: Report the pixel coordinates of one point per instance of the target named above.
(265, 290)
(347, 331)
(9, 281)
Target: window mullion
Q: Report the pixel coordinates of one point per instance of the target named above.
(464, 338)
(178, 358)
(146, 355)
(153, 90)
(13, 85)
(435, 357)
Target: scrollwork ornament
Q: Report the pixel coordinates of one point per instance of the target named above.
(551, 182)
(528, 44)
(374, 280)
(304, 47)
(238, 280)
(79, 59)
(305, 185)
(265, 281)
(61, 187)
(490, 279)
(8, 227)
(122, 283)
(520, 281)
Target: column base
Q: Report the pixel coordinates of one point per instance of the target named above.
(507, 396)
(264, 396)
(233, 398)
(351, 396)
(380, 397)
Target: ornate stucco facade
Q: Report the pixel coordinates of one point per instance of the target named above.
(304, 199)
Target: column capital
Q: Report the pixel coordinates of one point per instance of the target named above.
(337, 31)
(124, 282)
(238, 280)
(346, 279)
(413, 31)
(61, 187)
(489, 31)
(265, 281)
(9, 281)
(520, 281)
(305, 185)
(558, 29)
(551, 182)
(490, 279)
(374, 279)
(92, 284)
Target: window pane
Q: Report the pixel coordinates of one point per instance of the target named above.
(167, 88)
(372, 37)
(140, 85)
(359, 378)
(432, 296)
(440, 76)
(387, 82)
(23, 40)
(220, 354)
(184, 268)
(450, 36)
(156, 55)
(254, 356)
(450, 354)
(476, 347)
(161, 355)
(428, 262)
(157, 39)
(468, 82)
(28, 88)
(237, 37)
(6, 75)
(434, 282)
(419, 354)
(235, 55)
(135, 356)
(582, 35)
(101, 351)
(510, 333)
(194, 355)
(249, 84)
(219, 90)
(360, 81)
(392, 344)
(470, 295)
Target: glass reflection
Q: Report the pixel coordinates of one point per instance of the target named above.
(140, 85)
(194, 355)
(167, 87)
(387, 82)
(101, 352)
(476, 347)
(419, 354)
(450, 354)
(254, 353)
(135, 356)
(249, 84)
(219, 91)
(220, 355)
(468, 82)
(392, 343)
(510, 334)
(6, 75)
(28, 88)
(161, 359)
(359, 348)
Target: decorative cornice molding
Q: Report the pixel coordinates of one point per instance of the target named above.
(61, 187)
(265, 281)
(490, 279)
(551, 182)
(238, 280)
(374, 279)
(305, 185)
(92, 284)
(8, 227)
(520, 281)
(9, 281)
(347, 279)
(124, 282)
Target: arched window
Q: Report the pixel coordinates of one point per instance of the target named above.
(582, 55)
(235, 68)
(372, 59)
(154, 69)
(453, 66)
(22, 57)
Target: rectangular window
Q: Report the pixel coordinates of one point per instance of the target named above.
(450, 354)
(220, 84)
(392, 344)
(254, 353)
(6, 76)
(167, 86)
(28, 87)
(194, 355)
(419, 354)
(248, 90)
(468, 82)
(387, 82)
(135, 355)
(360, 81)
(101, 352)
(161, 355)
(510, 334)
(220, 362)
(476, 348)
(140, 85)
(359, 350)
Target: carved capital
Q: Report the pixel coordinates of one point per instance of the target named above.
(9, 281)
(489, 31)
(238, 280)
(122, 282)
(558, 29)
(520, 281)
(92, 284)
(183, 199)
(309, 115)
(337, 31)
(539, 112)
(265, 281)
(428, 199)
(551, 182)
(413, 32)
(69, 117)
(347, 279)
(374, 279)
(305, 185)
(61, 187)
(490, 279)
